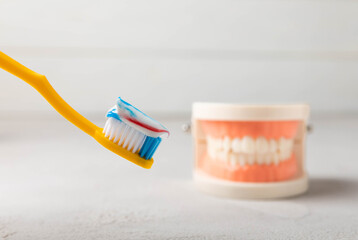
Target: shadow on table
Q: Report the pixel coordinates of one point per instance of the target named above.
(331, 187)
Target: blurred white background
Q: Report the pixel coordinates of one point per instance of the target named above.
(162, 55)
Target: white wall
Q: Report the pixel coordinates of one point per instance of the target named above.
(161, 55)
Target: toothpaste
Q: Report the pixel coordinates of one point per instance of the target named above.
(132, 116)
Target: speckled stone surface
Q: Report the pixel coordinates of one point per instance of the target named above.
(58, 183)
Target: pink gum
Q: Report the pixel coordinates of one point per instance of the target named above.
(234, 129)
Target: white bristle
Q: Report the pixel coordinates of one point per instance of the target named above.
(124, 134)
(127, 137)
(118, 132)
(105, 126)
(142, 142)
(110, 125)
(134, 139)
(138, 142)
(112, 131)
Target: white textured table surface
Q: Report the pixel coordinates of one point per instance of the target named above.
(57, 183)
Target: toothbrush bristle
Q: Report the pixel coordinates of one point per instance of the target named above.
(129, 138)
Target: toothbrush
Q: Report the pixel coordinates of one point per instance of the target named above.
(128, 132)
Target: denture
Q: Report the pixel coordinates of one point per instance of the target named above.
(250, 151)
(250, 148)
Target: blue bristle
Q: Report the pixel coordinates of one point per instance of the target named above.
(155, 146)
(149, 146)
(146, 145)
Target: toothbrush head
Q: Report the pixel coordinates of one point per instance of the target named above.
(131, 134)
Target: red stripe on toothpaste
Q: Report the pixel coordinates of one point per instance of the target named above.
(146, 126)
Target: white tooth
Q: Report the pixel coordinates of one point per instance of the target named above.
(218, 143)
(212, 153)
(285, 145)
(285, 154)
(273, 146)
(260, 158)
(209, 145)
(219, 156)
(213, 143)
(227, 156)
(275, 158)
(282, 144)
(226, 144)
(248, 145)
(236, 145)
(282, 155)
(289, 144)
(288, 154)
(262, 145)
(250, 159)
(242, 160)
(267, 159)
(233, 159)
(222, 156)
(209, 142)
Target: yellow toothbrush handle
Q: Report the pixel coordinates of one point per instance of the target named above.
(42, 85)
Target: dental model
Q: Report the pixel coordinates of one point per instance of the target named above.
(128, 132)
(250, 151)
